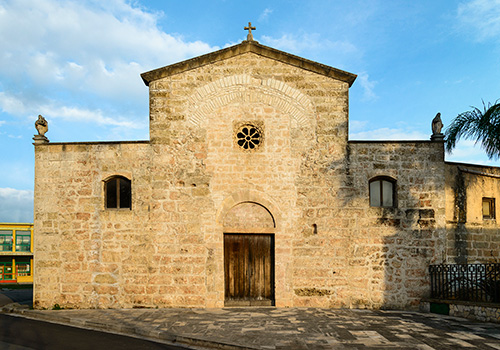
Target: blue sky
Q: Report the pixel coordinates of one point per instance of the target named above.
(78, 63)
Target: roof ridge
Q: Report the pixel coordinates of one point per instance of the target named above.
(245, 47)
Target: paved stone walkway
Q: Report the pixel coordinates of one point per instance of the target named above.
(294, 328)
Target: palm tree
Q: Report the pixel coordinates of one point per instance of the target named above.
(481, 126)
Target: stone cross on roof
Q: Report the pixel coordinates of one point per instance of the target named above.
(249, 28)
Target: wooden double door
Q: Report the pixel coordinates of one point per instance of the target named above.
(249, 269)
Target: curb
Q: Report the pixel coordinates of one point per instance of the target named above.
(138, 332)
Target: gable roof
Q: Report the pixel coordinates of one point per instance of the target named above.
(244, 47)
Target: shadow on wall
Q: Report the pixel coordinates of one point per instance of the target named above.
(472, 230)
(352, 254)
(408, 254)
(397, 244)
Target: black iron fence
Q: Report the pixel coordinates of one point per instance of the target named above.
(466, 282)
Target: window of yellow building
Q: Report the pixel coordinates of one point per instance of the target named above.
(23, 267)
(5, 240)
(6, 270)
(23, 241)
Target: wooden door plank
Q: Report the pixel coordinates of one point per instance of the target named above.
(246, 272)
(228, 271)
(251, 272)
(239, 268)
(269, 270)
(259, 278)
(233, 245)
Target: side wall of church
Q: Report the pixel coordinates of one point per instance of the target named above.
(471, 238)
(86, 255)
(389, 249)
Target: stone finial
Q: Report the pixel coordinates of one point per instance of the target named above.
(250, 28)
(42, 126)
(437, 125)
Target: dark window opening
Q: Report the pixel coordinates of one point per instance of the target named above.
(383, 192)
(118, 193)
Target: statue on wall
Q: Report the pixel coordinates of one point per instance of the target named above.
(437, 125)
(42, 126)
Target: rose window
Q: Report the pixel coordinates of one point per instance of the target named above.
(249, 137)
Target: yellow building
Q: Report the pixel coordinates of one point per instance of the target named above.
(16, 253)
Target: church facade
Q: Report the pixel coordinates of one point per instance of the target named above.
(250, 193)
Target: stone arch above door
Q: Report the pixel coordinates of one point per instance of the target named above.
(249, 217)
(252, 205)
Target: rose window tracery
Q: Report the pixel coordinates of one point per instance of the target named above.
(249, 137)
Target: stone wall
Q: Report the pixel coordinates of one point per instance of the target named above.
(470, 238)
(86, 255)
(389, 249)
(168, 250)
(304, 183)
(303, 120)
(472, 310)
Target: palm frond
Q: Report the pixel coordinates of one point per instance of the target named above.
(480, 126)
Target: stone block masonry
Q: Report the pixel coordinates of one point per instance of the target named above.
(471, 310)
(302, 188)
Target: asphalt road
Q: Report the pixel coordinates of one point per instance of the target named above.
(21, 296)
(18, 333)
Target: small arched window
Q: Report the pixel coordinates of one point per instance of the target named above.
(383, 192)
(118, 192)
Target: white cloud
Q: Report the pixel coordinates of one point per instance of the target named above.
(264, 16)
(17, 106)
(16, 205)
(480, 18)
(85, 46)
(357, 125)
(467, 151)
(368, 87)
(11, 104)
(389, 134)
(86, 115)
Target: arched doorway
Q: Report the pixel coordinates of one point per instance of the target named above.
(249, 256)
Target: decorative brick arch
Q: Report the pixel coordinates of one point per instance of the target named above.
(245, 88)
